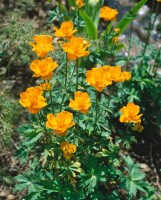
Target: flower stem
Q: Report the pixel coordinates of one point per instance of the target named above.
(150, 28)
(96, 107)
(77, 122)
(66, 67)
(77, 64)
(51, 101)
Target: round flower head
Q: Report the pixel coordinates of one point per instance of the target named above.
(43, 45)
(99, 78)
(81, 102)
(76, 48)
(117, 30)
(68, 149)
(115, 40)
(45, 86)
(80, 3)
(43, 68)
(130, 113)
(117, 75)
(66, 30)
(61, 123)
(32, 99)
(108, 14)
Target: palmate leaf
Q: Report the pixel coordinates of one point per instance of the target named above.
(33, 196)
(126, 20)
(90, 26)
(136, 174)
(132, 189)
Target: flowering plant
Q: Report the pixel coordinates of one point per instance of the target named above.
(71, 132)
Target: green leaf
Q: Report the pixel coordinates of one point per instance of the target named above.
(91, 182)
(136, 174)
(32, 196)
(132, 188)
(126, 20)
(128, 160)
(120, 46)
(34, 138)
(94, 10)
(71, 2)
(25, 129)
(90, 27)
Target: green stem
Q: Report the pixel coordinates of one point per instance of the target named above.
(77, 123)
(71, 77)
(78, 18)
(40, 119)
(66, 68)
(51, 101)
(130, 43)
(77, 64)
(156, 64)
(150, 28)
(62, 102)
(96, 107)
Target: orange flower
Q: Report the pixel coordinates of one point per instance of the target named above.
(45, 86)
(43, 68)
(32, 99)
(126, 76)
(116, 74)
(66, 30)
(130, 113)
(68, 149)
(99, 77)
(76, 48)
(43, 45)
(108, 14)
(117, 30)
(115, 40)
(81, 102)
(80, 3)
(61, 122)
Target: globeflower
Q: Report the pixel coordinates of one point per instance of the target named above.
(45, 86)
(99, 78)
(76, 48)
(66, 30)
(81, 102)
(108, 14)
(117, 30)
(130, 113)
(126, 76)
(116, 74)
(115, 40)
(68, 149)
(32, 99)
(80, 3)
(43, 45)
(61, 123)
(43, 68)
